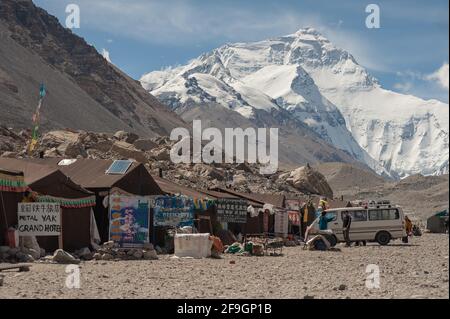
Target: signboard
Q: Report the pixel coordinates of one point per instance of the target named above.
(39, 219)
(281, 222)
(293, 204)
(174, 211)
(294, 218)
(231, 210)
(129, 219)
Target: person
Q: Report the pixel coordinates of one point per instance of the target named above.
(28, 197)
(324, 220)
(323, 203)
(347, 221)
(408, 228)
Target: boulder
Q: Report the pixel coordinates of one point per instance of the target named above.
(8, 154)
(310, 181)
(145, 144)
(160, 154)
(4, 249)
(138, 254)
(127, 137)
(109, 244)
(150, 254)
(107, 257)
(36, 254)
(62, 257)
(239, 180)
(56, 138)
(128, 150)
(72, 149)
(103, 146)
(24, 258)
(148, 246)
(84, 253)
(97, 256)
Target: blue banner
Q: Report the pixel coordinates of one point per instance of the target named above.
(175, 211)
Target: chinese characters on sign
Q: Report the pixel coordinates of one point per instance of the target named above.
(232, 210)
(129, 220)
(39, 219)
(175, 211)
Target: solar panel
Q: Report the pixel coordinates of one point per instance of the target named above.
(119, 167)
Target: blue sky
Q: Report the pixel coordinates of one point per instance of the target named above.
(408, 53)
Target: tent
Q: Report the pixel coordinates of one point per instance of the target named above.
(436, 223)
(91, 174)
(12, 186)
(51, 185)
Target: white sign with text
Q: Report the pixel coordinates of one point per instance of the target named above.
(39, 219)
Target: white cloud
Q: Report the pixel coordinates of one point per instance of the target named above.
(440, 76)
(404, 87)
(105, 54)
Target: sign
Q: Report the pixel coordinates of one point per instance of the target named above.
(281, 222)
(39, 219)
(174, 211)
(129, 219)
(294, 218)
(232, 210)
(293, 204)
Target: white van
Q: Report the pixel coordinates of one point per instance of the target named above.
(377, 224)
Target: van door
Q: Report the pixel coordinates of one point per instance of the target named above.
(359, 227)
(336, 224)
(387, 219)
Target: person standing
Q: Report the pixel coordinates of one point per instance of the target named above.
(347, 221)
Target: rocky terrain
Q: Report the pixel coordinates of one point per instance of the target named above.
(415, 270)
(419, 195)
(84, 91)
(155, 153)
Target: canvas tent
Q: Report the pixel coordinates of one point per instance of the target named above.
(436, 222)
(91, 174)
(51, 184)
(12, 186)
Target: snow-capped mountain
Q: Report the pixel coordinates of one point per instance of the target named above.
(325, 88)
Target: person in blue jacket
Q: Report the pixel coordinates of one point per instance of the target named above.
(324, 220)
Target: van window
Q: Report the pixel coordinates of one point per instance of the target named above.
(384, 214)
(359, 215)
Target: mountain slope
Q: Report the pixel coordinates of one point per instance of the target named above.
(325, 88)
(84, 90)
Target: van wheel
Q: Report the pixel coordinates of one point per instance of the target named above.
(383, 238)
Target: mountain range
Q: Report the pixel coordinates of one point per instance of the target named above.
(85, 91)
(311, 81)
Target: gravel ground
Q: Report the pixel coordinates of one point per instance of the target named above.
(415, 270)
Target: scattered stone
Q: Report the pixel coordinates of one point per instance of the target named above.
(62, 257)
(150, 255)
(342, 287)
(107, 257)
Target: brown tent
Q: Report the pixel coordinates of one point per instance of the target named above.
(12, 186)
(91, 174)
(51, 184)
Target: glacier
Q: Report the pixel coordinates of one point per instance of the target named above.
(323, 86)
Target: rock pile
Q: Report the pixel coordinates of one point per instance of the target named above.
(155, 153)
(111, 251)
(14, 255)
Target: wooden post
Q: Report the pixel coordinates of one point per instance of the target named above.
(60, 237)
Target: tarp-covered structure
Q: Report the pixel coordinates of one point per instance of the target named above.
(52, 185)
(91, 174)
(12, 186)
(438, 222)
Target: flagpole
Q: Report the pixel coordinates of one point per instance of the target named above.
(36, 121)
